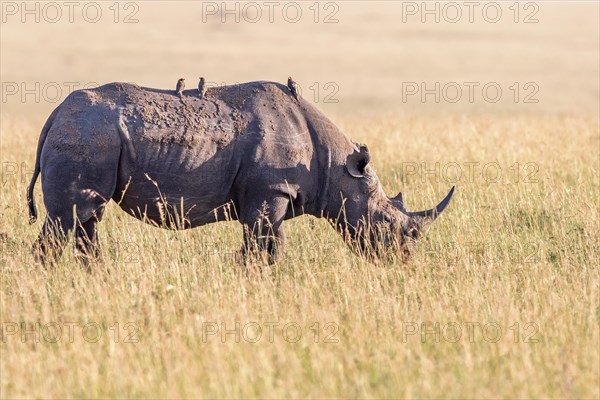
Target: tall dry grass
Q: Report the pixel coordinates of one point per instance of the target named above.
(513, 254)
(516, 252)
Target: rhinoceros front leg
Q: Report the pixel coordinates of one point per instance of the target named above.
(263, 228)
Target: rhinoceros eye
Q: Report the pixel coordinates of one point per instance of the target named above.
(413, 233)
(387, 219)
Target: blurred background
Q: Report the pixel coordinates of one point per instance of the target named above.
(349, 57)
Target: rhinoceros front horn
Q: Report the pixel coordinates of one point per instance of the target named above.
(427, 215)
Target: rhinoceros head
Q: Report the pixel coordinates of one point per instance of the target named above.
(373, 223)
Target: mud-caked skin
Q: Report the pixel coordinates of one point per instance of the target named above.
(248, 152)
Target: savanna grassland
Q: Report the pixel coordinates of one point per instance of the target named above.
(500, 300)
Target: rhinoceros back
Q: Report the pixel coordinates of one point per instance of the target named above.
(190, 150)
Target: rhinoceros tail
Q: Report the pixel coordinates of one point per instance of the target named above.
(36, 171)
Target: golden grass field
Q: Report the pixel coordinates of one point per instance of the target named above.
(511, 266)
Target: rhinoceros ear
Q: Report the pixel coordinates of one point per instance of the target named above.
(358, 161)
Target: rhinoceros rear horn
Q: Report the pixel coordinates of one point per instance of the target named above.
(358, 161)
(429, 215)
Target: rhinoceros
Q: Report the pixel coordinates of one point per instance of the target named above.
(249, 152)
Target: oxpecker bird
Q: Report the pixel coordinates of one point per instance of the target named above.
(180, 87)
(201, 88)
(294, 88)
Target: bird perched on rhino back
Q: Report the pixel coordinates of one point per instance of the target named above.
(180, 86)
(201, 87)
(294, 88)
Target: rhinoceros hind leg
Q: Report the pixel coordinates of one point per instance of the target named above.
(86, 241)
(51, 241)
(77, 182)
